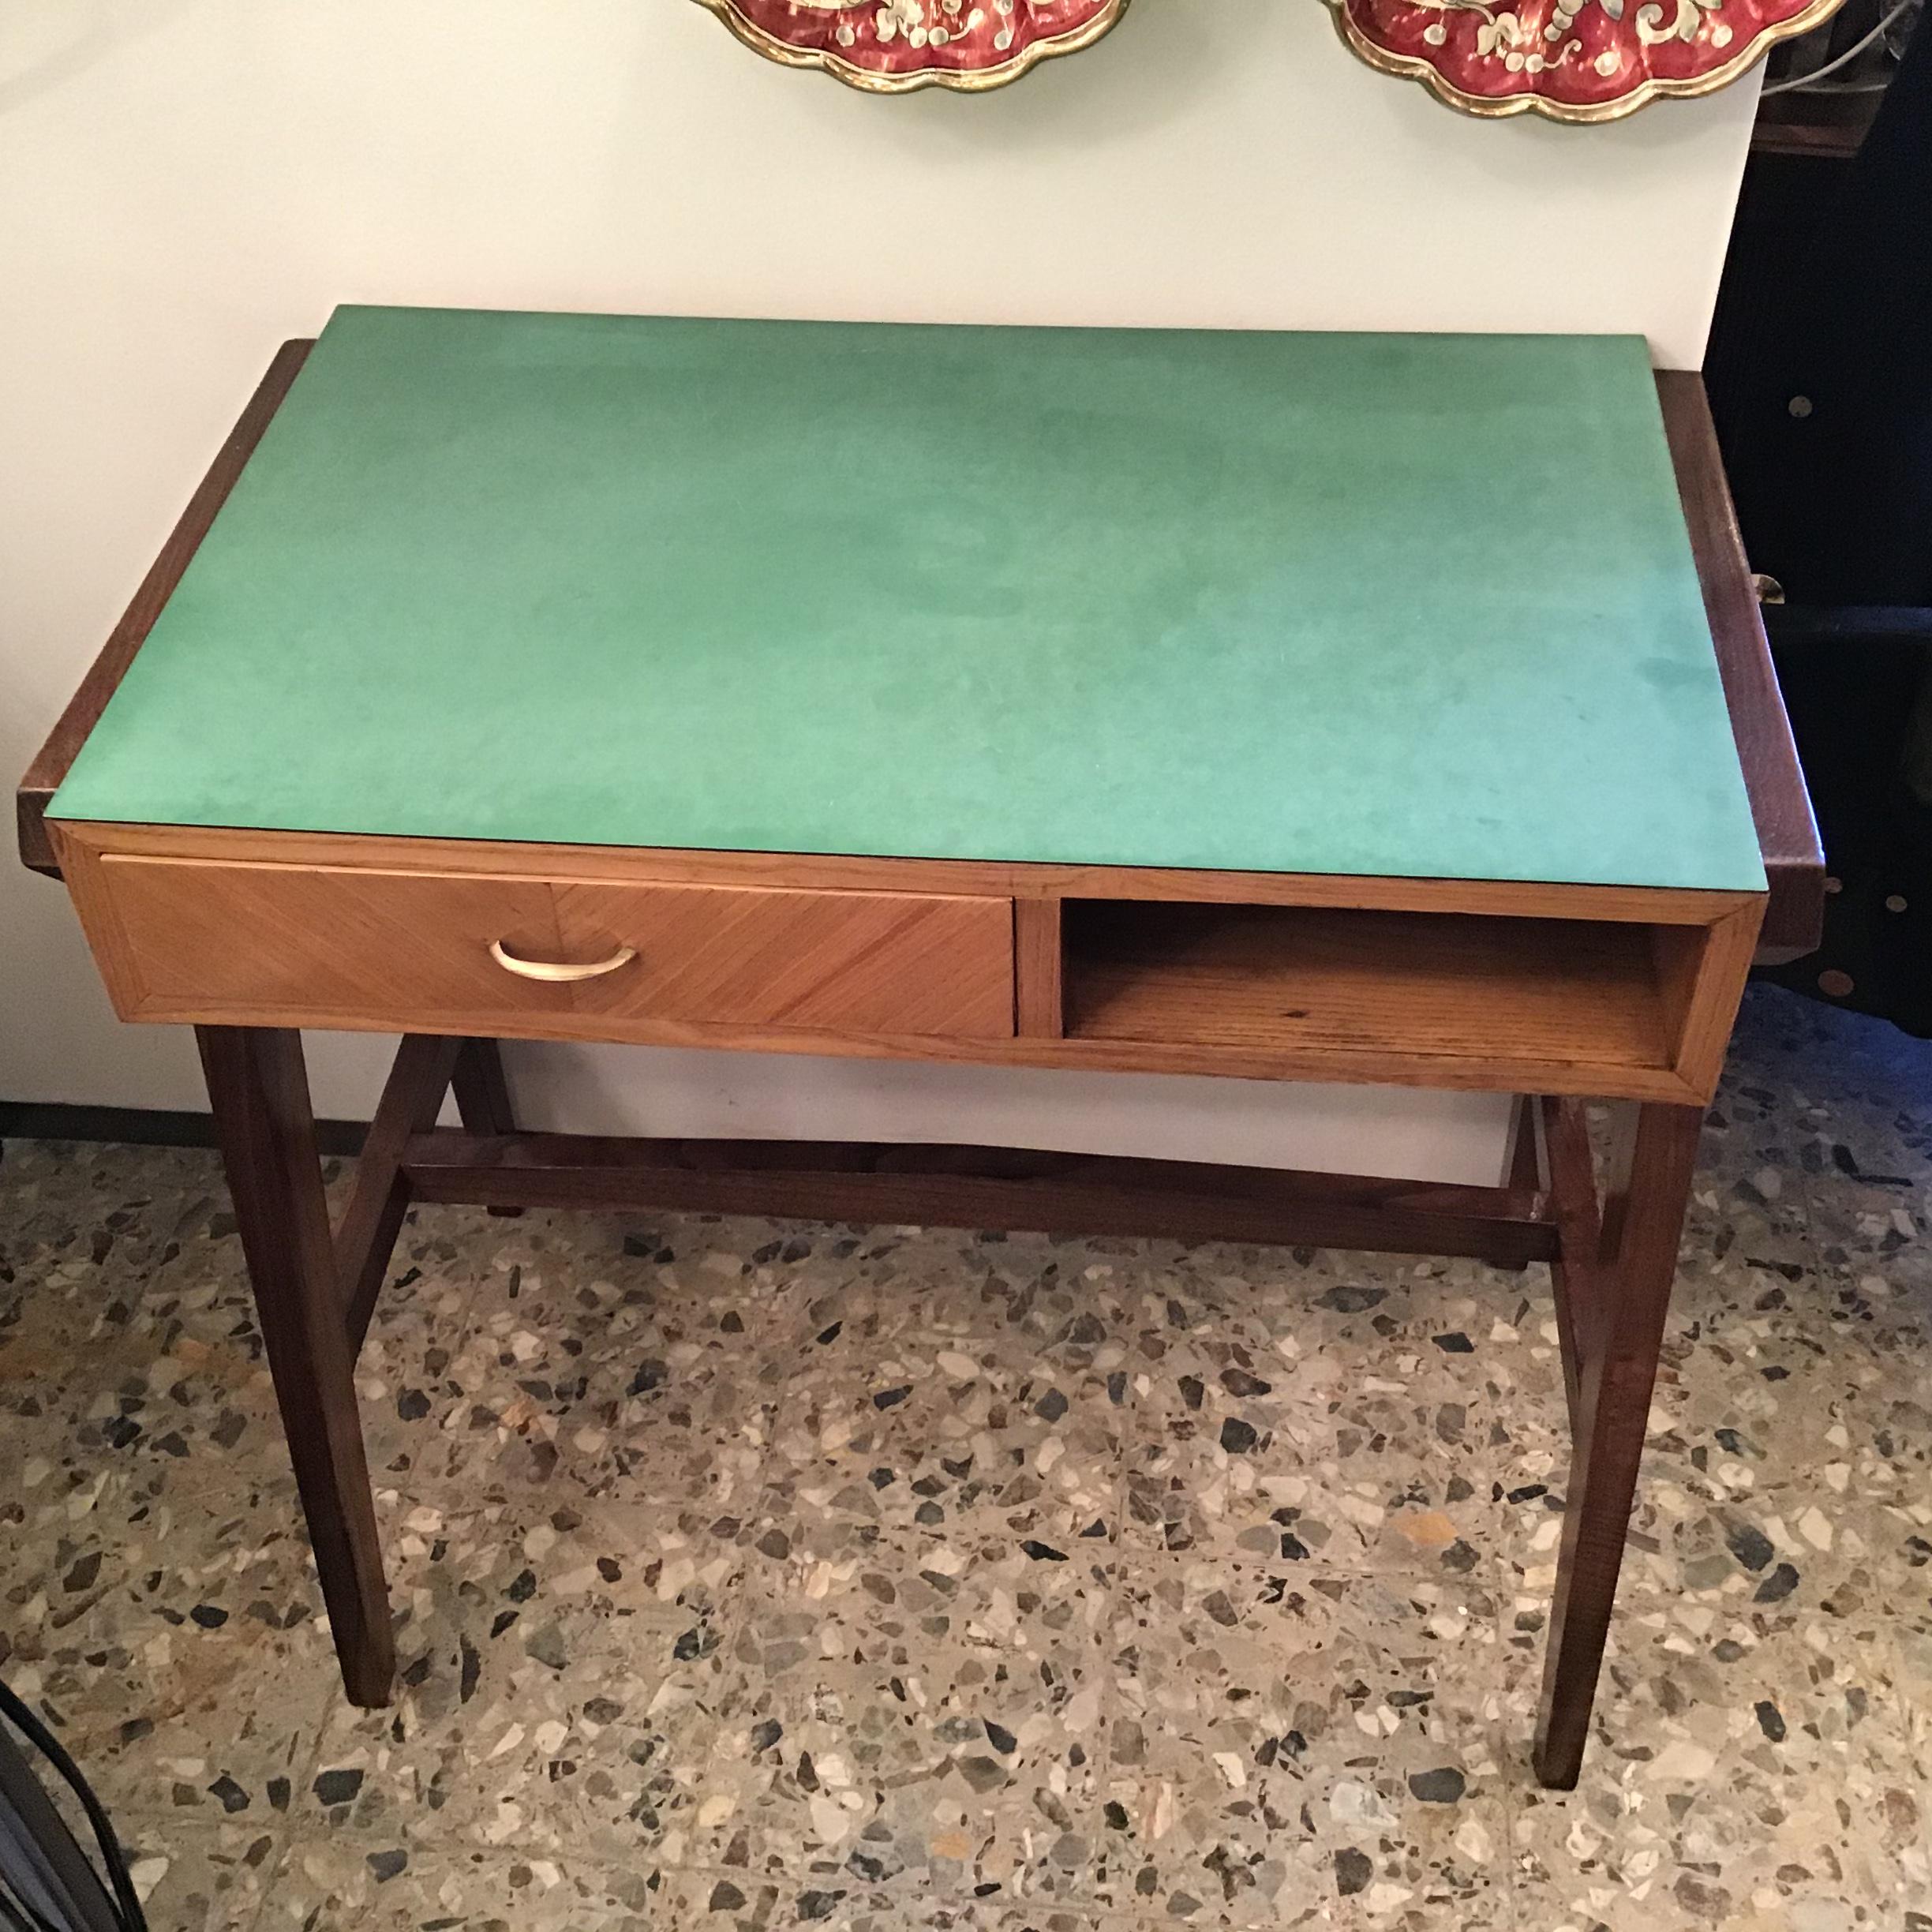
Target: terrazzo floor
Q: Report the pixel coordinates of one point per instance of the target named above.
(750, 1575)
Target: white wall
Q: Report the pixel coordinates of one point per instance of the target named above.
(183, 183)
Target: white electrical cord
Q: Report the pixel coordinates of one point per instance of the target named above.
(1799, 82)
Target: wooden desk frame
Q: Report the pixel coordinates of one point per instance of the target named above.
(1106, 968)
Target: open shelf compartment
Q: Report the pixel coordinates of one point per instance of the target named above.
(1452, 988)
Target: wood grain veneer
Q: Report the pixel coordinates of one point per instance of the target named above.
(1245, 977)
(1487, 1000)
(1037, 952)
(1624, 1001)
(182, 939)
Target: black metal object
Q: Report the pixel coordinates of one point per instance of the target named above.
(1820, 365)
(1820, 375)
(1856, 684)
(47, 1883)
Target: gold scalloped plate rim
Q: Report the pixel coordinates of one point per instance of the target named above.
(959, 80)
(1487, 108)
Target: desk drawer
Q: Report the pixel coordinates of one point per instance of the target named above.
(191, 939)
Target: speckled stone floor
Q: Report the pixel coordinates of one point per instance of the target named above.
(753, 1575)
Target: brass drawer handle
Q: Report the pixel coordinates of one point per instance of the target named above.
(557, 974)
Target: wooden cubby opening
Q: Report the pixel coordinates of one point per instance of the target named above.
(1449, 985)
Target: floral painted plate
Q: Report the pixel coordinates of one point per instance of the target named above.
(1572, 60)
(893, 46)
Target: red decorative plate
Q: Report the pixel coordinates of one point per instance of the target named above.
(1572, 60)
(893, 46)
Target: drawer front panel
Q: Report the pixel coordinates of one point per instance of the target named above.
(326, 945)
(851, 962)
(293, 939)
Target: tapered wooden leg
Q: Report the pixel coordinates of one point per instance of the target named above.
(1618, 1298)
(483, 1096)
(259, 1089)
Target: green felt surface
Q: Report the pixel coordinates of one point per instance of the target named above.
(1414, 605)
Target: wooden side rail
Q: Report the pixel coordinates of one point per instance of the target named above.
(1788, 833)
(406, 1158)
(981, 1187)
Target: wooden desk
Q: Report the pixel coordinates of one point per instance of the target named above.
(1284, 707)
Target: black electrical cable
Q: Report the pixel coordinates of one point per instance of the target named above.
(45, 1877)
(16, 1713)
